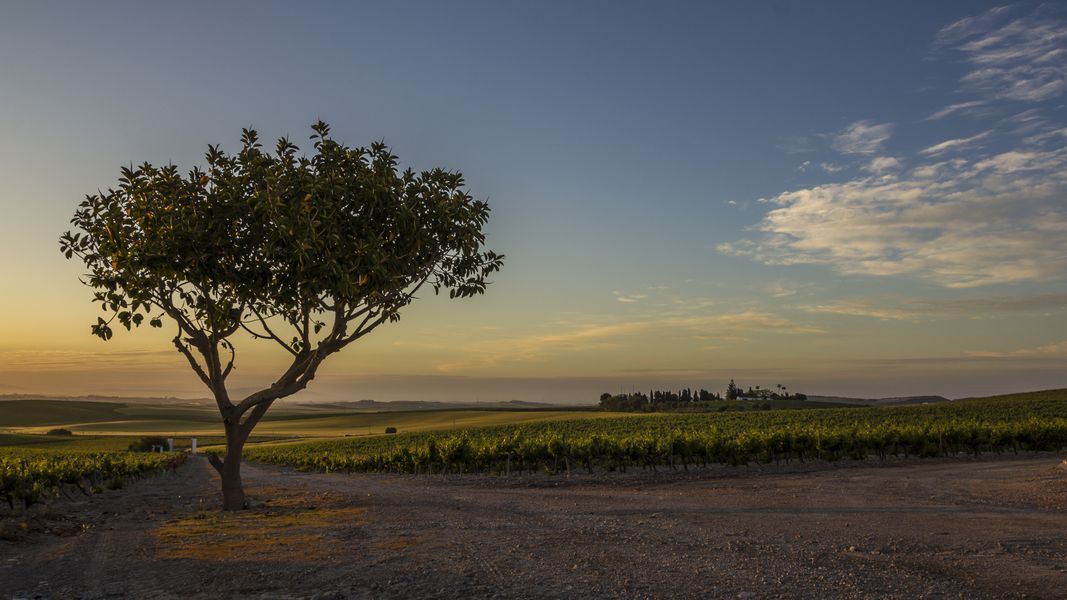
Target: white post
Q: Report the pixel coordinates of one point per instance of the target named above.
(193, 451)
(170, 444)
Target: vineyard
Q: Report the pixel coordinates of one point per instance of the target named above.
(1012, 424)
(28, 476)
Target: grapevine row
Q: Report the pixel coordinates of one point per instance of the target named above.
(28, 476)
(969, 427)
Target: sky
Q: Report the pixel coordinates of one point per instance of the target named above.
(865, 199)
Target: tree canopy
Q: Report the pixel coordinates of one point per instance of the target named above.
(310, 251)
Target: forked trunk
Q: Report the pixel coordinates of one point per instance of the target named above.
(229, 469)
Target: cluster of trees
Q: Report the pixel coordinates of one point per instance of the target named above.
(656, 399)
(734, 392)
(688, 398)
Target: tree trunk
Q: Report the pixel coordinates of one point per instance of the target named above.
(229, 469)
(233, 491)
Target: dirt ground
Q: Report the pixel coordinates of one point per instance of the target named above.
(985, 528)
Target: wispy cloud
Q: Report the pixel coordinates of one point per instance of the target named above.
(579, 338)
(955, 144)
(73, 360)
(969, 26)
(862, 137)
(962, 224)
(882, 164)
(1021, 58)
(916, 310)
(974, 219)
(781, 289)
(1037, 303)
(628, 298)
(828, 167)
(1050, 135)
(971, 107)
(1053, 350)
(859, 308)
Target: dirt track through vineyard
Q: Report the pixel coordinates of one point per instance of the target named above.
(987, 528)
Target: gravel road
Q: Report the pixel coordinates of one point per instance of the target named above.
(977, 528)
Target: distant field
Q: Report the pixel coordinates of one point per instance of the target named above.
(30, 413)
(137, 419)
(98, 443)
(1014, 423)
(132, 420)
(81, 443)
(105, 426)
(35, 466)
(38, 416)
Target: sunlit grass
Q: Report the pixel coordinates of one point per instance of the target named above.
(290, 528)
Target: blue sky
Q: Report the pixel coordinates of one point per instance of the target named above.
(855, 198)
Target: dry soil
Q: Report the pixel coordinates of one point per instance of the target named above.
(977, 528)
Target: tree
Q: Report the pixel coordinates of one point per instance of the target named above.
(311, 252)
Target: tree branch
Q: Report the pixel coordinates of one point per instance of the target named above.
(192, 361)
(364, 328)
(215, 461)
(233, 356)
(253, 418)
(352, 316)
(295, 378)
(166, 302)
(270, 333)
(267, 336)
(305, 326)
